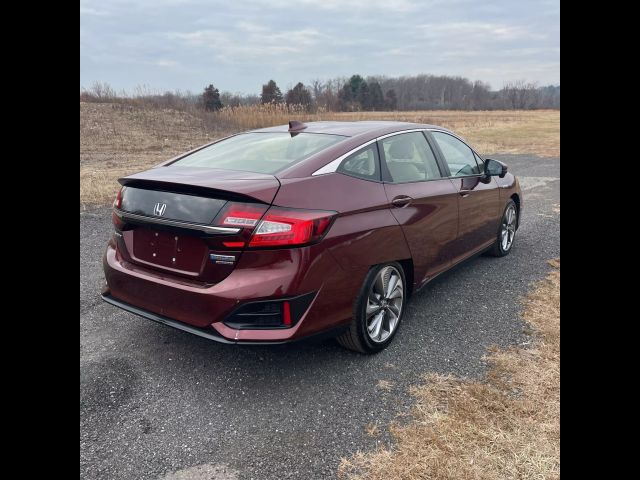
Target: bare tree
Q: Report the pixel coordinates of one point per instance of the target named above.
(100, 92)
(519, 94)
(317, 87)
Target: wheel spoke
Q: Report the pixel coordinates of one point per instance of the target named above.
(372, 308)
(393, 281)
(376, 325)
(397, 292)
(379, 285)
(393, 318)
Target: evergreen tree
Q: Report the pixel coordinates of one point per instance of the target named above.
(345, 99)
(299, 95)
(211, 99)
(271, 93)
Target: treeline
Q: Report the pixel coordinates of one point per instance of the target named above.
(356, 93)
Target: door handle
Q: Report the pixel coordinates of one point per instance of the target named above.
(401, 201)
(464, 193)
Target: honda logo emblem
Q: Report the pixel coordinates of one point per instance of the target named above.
(159, 209)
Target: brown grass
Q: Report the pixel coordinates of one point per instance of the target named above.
(120, 139)
(503, 428)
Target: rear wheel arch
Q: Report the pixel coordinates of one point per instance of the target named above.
(516, 199)
(355, 336)
(407, 266)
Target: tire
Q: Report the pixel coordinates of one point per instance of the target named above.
(508, 226)
(374, 333)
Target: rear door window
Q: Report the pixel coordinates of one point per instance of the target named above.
(362, 164)
(409, 158)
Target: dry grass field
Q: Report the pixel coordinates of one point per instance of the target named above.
(505, 427)
(119, 139)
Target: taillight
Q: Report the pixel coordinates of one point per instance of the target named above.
(275, 226)
(286, 227)
(117, 222)
(117, 203)
(243, 215)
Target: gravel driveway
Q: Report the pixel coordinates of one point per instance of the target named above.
(159, 403)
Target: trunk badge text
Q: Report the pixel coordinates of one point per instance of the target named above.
(223, 259)
(159, 209)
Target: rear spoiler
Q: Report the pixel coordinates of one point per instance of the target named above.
(196, 190)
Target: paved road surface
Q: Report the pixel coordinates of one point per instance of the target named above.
(159, 403)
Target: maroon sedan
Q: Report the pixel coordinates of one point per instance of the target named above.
(282, 233)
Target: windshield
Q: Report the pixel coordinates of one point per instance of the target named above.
(259, 152)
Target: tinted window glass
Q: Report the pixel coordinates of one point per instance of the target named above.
(362, 164)
(259, 152)
(409, 158)
(480, 163)
(459, 157)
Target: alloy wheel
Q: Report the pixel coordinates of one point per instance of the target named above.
(508, 230)
(384, 304)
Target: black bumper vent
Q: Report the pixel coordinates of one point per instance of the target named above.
(269, 314)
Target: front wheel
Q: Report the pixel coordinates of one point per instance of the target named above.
(377, 310)
(506, 231)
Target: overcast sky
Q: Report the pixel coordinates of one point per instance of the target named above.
(240, 44)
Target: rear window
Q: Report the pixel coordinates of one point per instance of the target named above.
(259, 152)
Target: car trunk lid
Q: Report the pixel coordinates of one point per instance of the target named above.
(167, 214)
(227, 183)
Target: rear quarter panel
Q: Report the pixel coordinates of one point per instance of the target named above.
(365, 233)
(508, 187)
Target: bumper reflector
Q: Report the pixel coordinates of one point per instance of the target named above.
(268, 314)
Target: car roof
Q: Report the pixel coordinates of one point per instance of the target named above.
(356, 134)
(352, 129)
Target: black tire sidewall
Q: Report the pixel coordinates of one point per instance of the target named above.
(361, 305)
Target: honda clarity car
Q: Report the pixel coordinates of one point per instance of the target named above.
(288, 232)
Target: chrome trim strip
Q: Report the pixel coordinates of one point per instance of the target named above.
(174, 223)
(333, 165)
(452, 134)
(393, 134)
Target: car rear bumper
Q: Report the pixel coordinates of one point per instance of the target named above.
(208, 333)
(201, 309)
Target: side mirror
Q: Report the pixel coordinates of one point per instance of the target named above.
(494, 167)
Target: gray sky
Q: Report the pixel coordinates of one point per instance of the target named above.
(240, 44)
